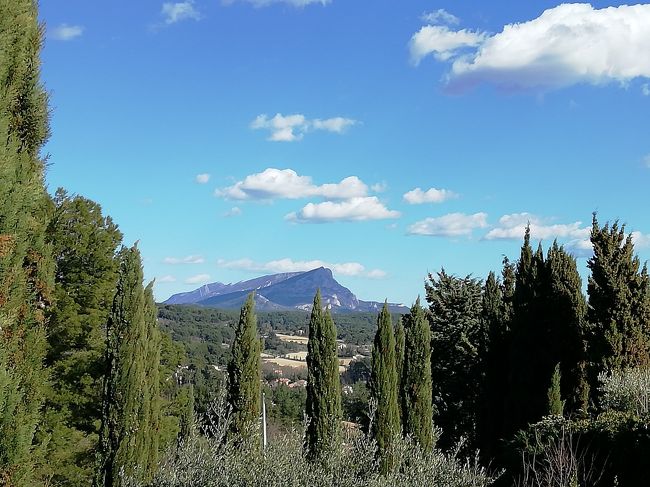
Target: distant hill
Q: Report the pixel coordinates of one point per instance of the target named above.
(278, 292)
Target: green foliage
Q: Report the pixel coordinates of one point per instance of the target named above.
(84, 243)
(130, 417)
(323, 407)
(244, 371)
(26, 265)
(383, 386)
(626, 391)
(456, 337)
(417, 408)
(555, 402)
(618, 301)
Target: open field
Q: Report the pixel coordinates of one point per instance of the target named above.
(292, 338)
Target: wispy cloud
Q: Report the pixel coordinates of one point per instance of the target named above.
(646, 161)
(645, 89)
(190, 259)
(234, 211)
(451, 225)
(290, 128)
(566, 45)
(417, 196)
(641, 240)
(512, 227)
(202, 178)
(177, 12)
(166, 278)
(440, 16)
(354, 209)
(198, 279)
(290, 265)
(65, 32)
(288, 184)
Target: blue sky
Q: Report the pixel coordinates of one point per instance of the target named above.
(247, 137)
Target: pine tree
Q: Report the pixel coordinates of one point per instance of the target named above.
(244, 374)
(187, 419)
(26, 265)
(383, 385)
(416, 379)
(555, 402)
(323, 406)
(617, 302)
(125, 442)
(456, 337)
(84, 244)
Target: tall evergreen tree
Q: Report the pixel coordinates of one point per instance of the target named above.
(383, 385)
(416, 379)
(26, 266)
(244, 373)
(125, 443)
(400, 343)
(554, 394)
(617, 301)
(84, 244)
(456, 337)
(323, 407)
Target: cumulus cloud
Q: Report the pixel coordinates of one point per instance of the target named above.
(190, 259)
(354, 209)
(166, 278)
(641, 240)
(202, 178)
(513, 227)
(580, 248)
(177, 12)
(417, 196)
(287, 184)
(451, 225)
(65, 32)
(293, 3)
(198, 279)
(290, 128)
(565, 45)
(290, 265)
(440, 16)
(234, 211)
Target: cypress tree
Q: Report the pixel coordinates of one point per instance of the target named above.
(617, 302)
(323, 406)
(416, 380)
(400, 339)
(555, 402)
(84, 244)
(383, 385)
(186, 401)
(26, 265)
(127, 412)
(244, 374)
(456, 337)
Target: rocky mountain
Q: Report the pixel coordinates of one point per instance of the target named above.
(276, 292)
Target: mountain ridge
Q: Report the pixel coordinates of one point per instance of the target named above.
(284, 291)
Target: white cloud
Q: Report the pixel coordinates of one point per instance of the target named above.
(565, 45)
(646, 160)
(176, 12)
(442, 42)
(645, 89)
(190, 259)
(641, 240)
(287, 184)
(65, 32)
(513, 227)
(580, 248)
(202, 178)
(451, 225)
(294, 3)
(290, 265)
(290, 128)
(234, 211)
(354, 209)
(198, 279)
(432, 195)
(379, 187)
(440, 16)
(167, 278)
